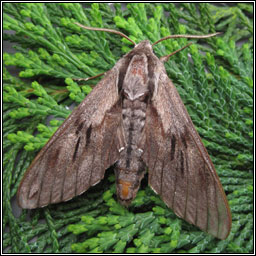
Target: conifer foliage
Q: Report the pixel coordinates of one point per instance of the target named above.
(213, 77)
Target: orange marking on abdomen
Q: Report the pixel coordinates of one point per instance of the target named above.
(125, 187)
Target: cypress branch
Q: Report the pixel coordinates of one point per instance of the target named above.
(215, 85)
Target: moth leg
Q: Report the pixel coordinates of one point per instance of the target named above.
(166, 57)
(89, 78)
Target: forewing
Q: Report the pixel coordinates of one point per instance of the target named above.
(80, 151)
(180, 169)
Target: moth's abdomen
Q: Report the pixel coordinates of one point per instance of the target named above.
(130, 168)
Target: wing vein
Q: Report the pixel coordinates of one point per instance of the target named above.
(163, 164)
(196, 204)
(216, 205)
(77, 164)
(148, 152)
(207, 201)
(63, 182)
(174, 191)
(186, 175)
(41, 185)
(153, 169)
(52, 186)
(91, 169)
(111, 145)
(76, 174)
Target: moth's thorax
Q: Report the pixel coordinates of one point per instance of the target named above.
(138, 71)
(136, 78)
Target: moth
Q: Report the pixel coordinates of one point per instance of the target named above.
(134, 120)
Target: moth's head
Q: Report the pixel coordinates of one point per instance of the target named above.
(144, 46)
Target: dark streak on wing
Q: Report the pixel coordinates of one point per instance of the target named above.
(52, 159)
(79, 127)
(182, 163)
(173, 143)
(162, 171)
(183, 139)
(88, 135)
(76, 149)
(78, 163)
(90, 178)
(175, 183)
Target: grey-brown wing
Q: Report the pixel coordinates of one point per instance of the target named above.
(180, 169)
(80, 151)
